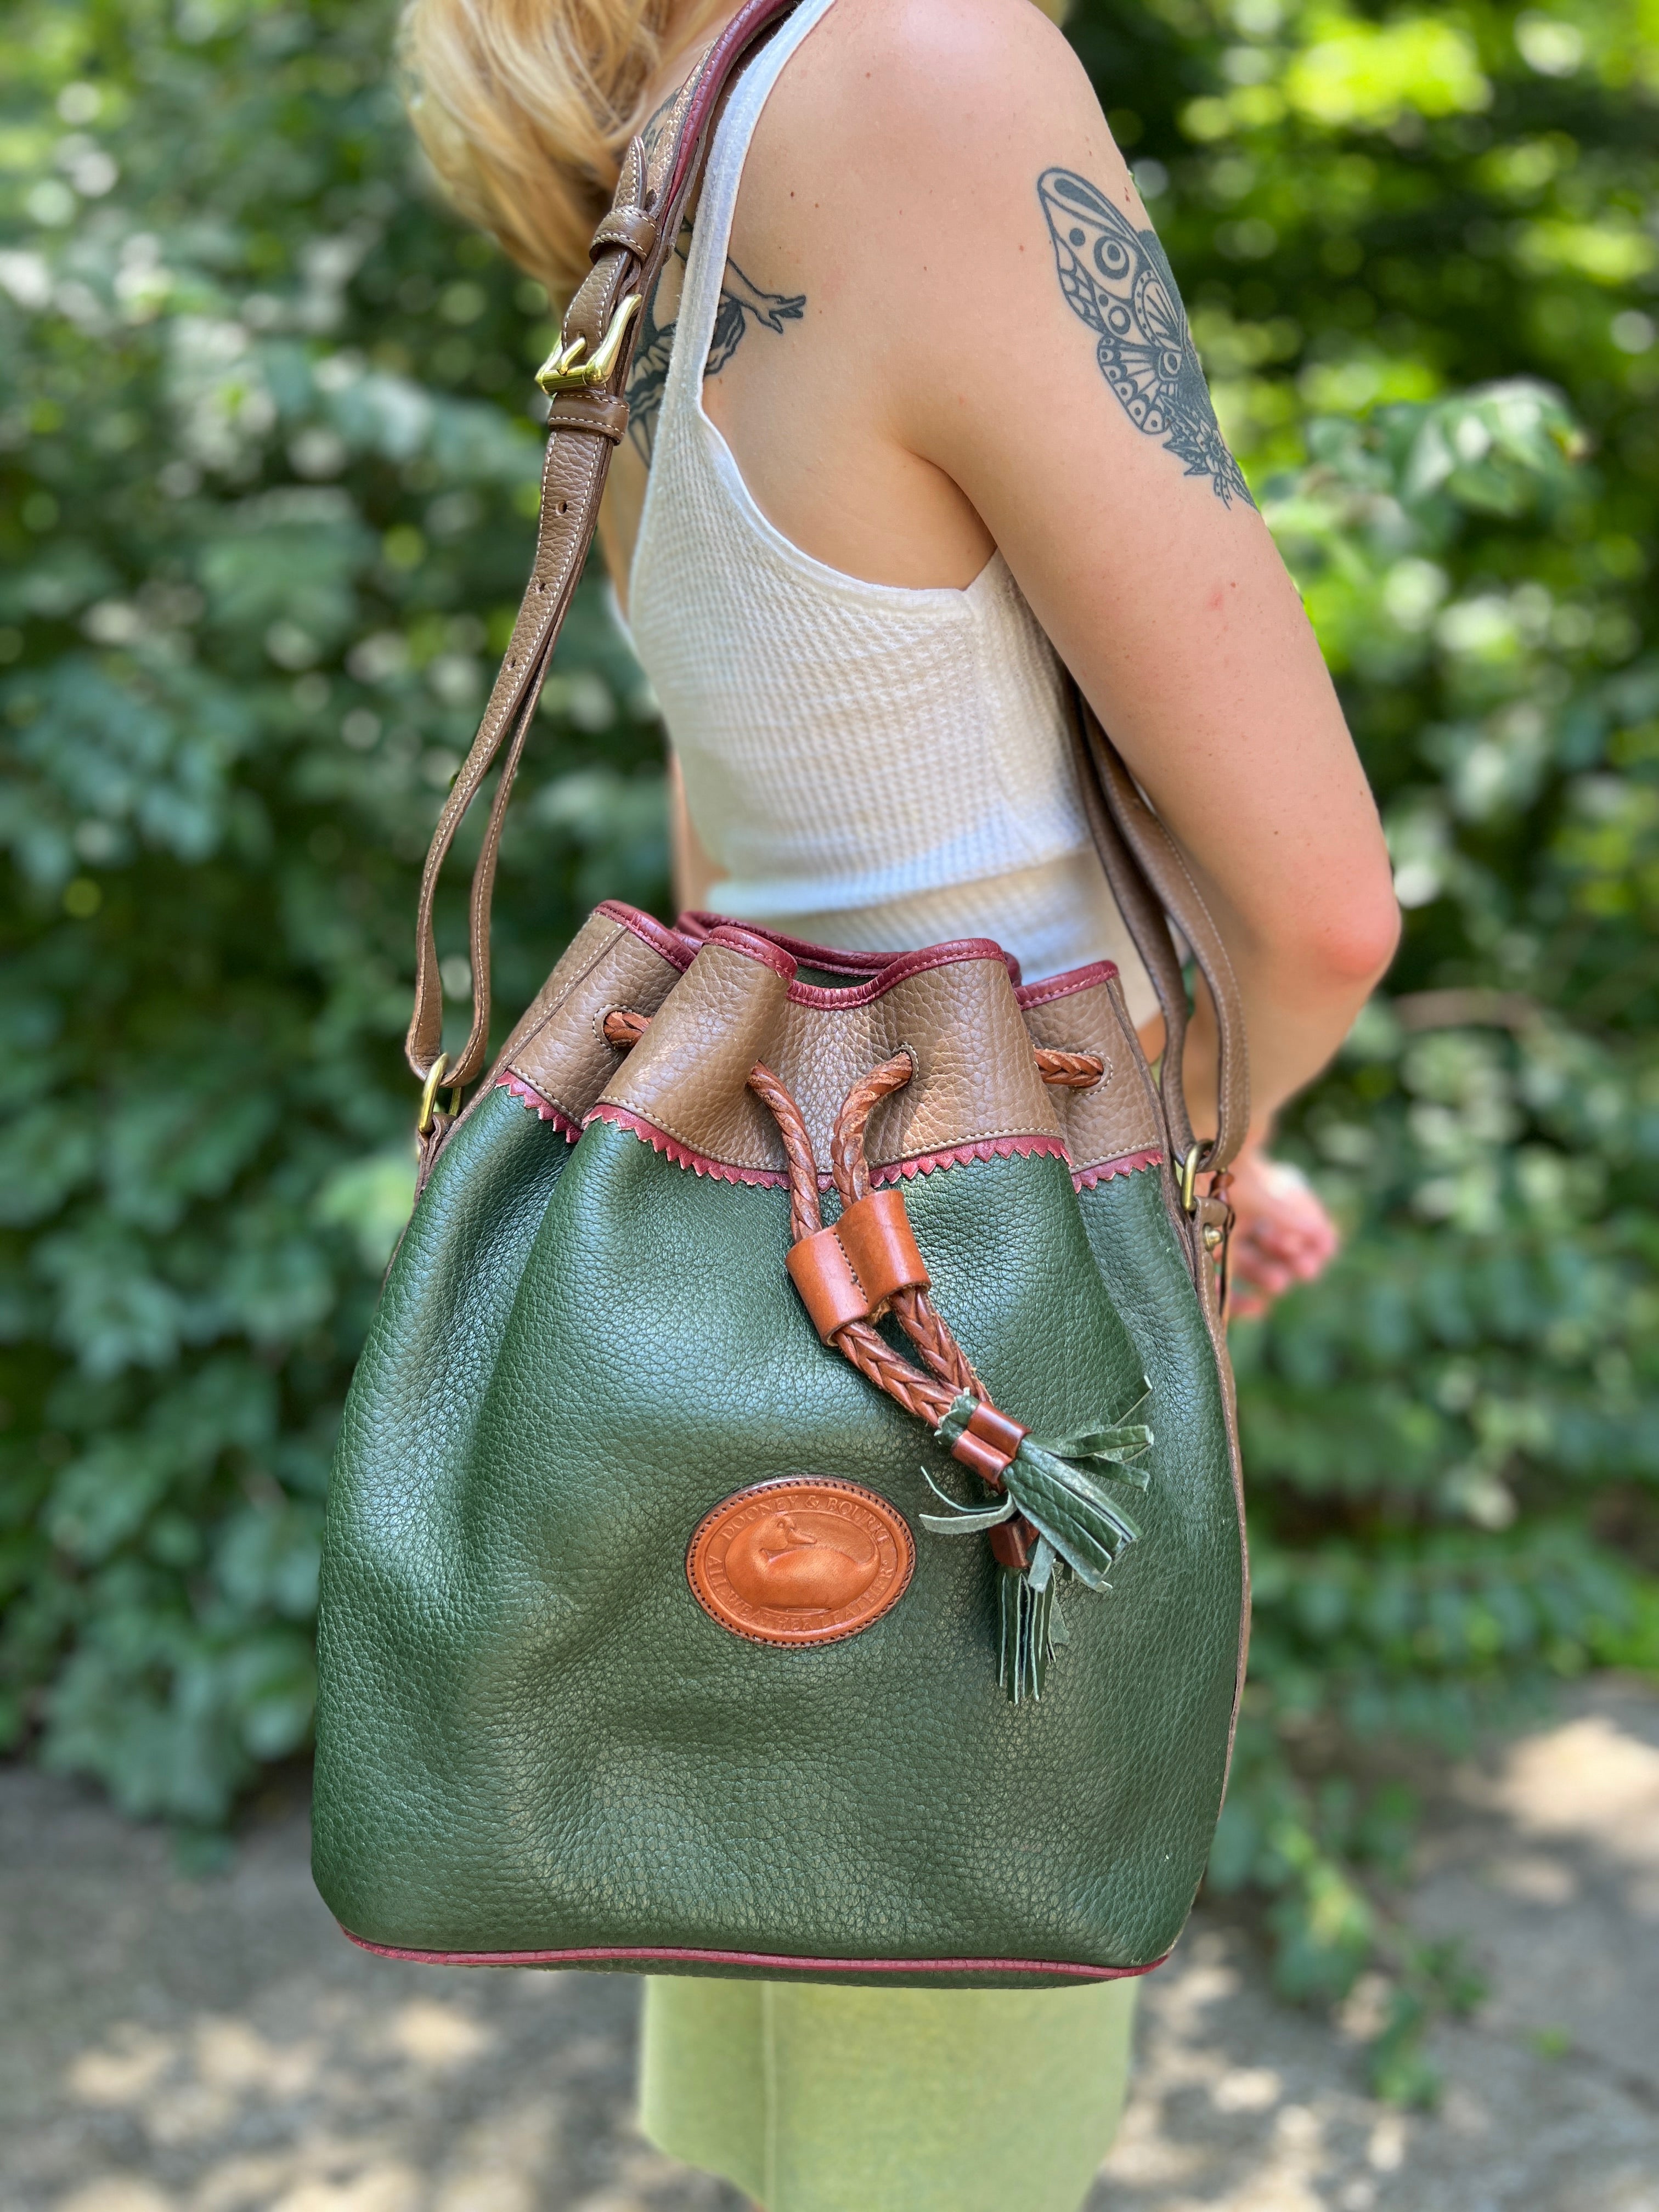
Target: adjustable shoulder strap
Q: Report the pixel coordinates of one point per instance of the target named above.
(1154, 886)
(584, 379)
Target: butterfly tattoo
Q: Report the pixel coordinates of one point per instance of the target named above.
(1118, 281)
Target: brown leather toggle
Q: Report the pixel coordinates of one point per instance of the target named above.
(628, 227)
(828, 1289)
(1010, 1544)
(590, 410)
(988, 1442)
(876, 1236)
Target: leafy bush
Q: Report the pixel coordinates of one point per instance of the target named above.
(269, 483)
(266, 526)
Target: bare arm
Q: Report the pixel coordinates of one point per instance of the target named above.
(1023, 338)
(695, 879)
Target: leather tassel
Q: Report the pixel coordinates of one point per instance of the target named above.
(1086, 1527)
(1027, 1609)
(1081, 1529)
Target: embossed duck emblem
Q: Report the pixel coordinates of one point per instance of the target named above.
(777, 1562)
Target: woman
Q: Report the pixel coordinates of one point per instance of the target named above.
(915, 418)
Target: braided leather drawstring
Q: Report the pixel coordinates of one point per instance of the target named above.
(1069, 1071)
(1052, 1517)
(859, 1341)
(925, 1327)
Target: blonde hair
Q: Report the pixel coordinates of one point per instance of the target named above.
(525, 108)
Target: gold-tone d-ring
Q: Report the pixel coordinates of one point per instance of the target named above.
(429, 1093)
(1190, 1179)
(564, 370)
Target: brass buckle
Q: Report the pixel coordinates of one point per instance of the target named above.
(429, 1091)
(1190, 1179)
(564, 370)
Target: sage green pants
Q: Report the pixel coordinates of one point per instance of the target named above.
(887, 2101)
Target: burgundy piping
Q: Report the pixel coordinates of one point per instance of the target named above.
(833, 960)
(712, 79)
(1062, 986)
(880, 971)
(766, 1960)
(755, 944)
(669, 942)
(698, 923)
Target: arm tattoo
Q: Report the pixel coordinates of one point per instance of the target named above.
(1118, 280)
(742, 303)
(647, 377)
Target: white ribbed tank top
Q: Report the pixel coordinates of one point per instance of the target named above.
(867, 765)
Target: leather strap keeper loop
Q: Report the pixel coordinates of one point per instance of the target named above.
(594, 412)
(828, 1289)
(876, 1236)
(628, 227)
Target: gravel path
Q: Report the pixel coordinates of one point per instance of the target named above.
(170, 2045)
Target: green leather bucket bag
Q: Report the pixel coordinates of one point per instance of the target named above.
(787, 1516)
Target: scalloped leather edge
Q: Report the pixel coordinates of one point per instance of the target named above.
(1125, 1164)
(960, 1156)
(681, 1155)
(543, 1108)
(893, 1171)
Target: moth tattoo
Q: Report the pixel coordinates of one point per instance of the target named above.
(742, 305)
(1118, 281)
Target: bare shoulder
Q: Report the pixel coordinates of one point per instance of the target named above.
(904, 141)
(910, 62)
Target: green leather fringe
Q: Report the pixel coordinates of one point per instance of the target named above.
(1081, 1530)
(1031, 1626)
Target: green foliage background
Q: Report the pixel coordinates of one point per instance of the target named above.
(267, 483)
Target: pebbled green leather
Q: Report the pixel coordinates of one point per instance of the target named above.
(532, 1738)
(532, 1741)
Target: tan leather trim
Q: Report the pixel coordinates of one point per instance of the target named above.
(830, 1291)
(1119, 1114)
(573, 476)
(876, 1235)
(559, 1048)
(1153, 886)
(976, 1080)
(1213, 1214)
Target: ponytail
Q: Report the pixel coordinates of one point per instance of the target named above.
(525, 108)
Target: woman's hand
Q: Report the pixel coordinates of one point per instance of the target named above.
(1282, 1233)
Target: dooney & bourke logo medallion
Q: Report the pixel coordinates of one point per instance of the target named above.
(804, 1560)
